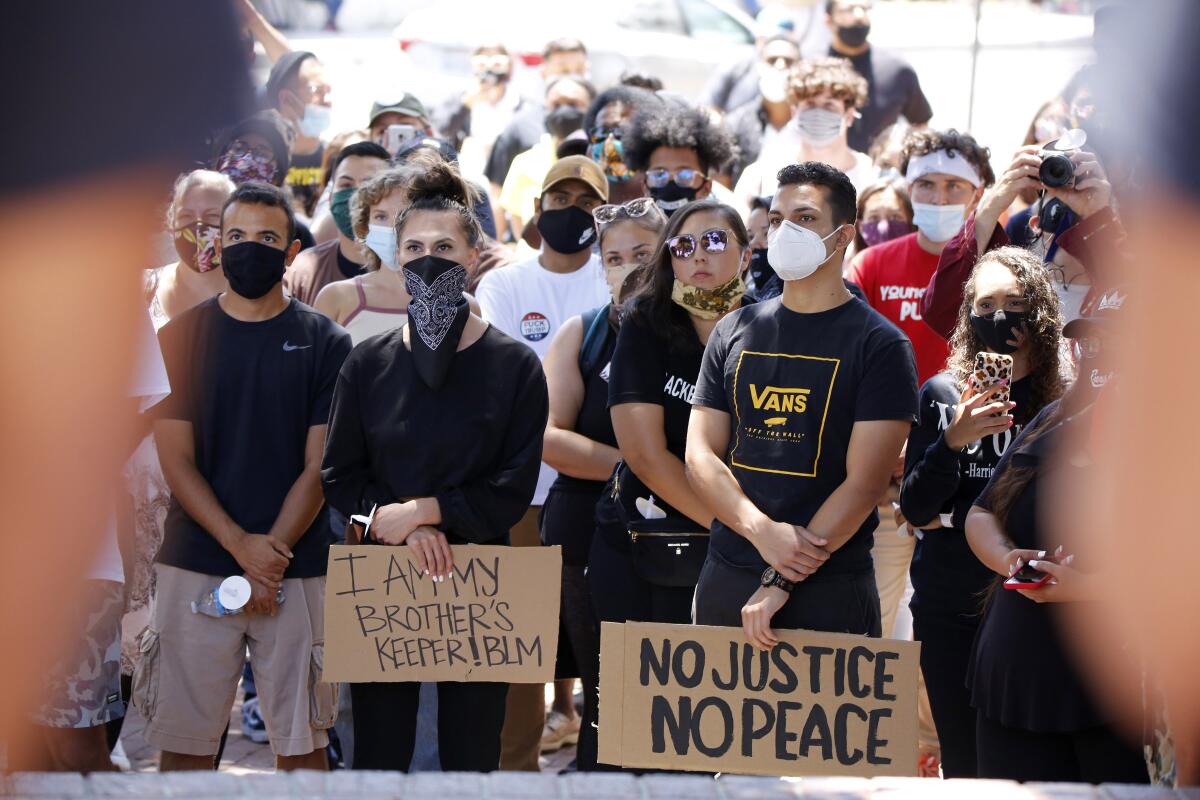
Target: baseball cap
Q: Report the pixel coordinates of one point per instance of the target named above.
(1100, 316)
(408, 105)
(439, 146)
(266, 124)
(577, 168)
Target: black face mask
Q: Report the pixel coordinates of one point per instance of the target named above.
(252, 268)
(672, 197)
(567, 230)
(995, 329)
(760, 270)
(563, 121)
(437, 315)
(853, 36)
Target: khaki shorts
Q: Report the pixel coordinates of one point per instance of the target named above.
(190, 664)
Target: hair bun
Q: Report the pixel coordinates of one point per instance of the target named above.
(437, 179)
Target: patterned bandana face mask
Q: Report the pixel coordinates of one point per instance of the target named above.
(437, 315)
(247, 166)
(708, 303)
(196, 245)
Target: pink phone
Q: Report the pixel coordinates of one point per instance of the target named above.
(1027, 578)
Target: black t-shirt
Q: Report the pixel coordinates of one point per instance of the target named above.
(795, 384)
(645, 370)
(1021, 674)
(475, 444)
(251, 390)
(893, 90)
(947, 578)
(304, 177)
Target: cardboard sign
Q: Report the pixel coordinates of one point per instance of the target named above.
(494, 619)
(693, 697)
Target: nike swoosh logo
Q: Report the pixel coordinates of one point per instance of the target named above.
(289, 347)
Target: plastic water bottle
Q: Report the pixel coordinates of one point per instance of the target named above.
(227, 599)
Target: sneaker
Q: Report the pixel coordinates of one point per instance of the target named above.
(559, 732)
(253, 726)
(118, 757)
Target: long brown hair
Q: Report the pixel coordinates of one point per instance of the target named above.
(1043, 327)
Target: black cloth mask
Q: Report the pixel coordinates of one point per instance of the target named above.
(854, 36)
(567, 230)
(252, 268)
(760, 270)
(672, 197)
(563, 121)
(437, 315)
(995, 329)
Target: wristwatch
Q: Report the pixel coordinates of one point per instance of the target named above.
(772, 578)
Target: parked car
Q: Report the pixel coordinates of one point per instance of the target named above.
(679, 41)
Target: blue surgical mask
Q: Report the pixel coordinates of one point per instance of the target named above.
(382, 241)
(316, 120)
(938, 223)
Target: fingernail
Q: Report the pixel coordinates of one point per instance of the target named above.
(1041, 554)
(426, 572)
(1035, 564)
(1058, 550)
(1068, 559)
(1010, 423)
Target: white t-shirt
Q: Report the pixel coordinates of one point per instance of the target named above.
(530, 303)
(151, 385)
(758, 179)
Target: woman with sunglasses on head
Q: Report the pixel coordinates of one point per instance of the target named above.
(692, 281)
(436, 432)
(960, 436)
(580, 443)
(675, 148)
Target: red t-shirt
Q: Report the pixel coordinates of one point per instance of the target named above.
(893, 276)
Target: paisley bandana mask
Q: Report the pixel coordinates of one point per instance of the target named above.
(437, 315)
(196, 246)
(708, 304)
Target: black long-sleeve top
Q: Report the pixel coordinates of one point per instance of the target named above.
(947, 578)
(475, 444)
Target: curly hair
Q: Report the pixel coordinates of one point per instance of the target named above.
(370, 194)
(833, 75)
(1043, 326)
(924, 141)
(676, 127)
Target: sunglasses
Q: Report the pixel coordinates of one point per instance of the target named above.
(600, 134)
(686, 177)
(684, 246)
(638, 207)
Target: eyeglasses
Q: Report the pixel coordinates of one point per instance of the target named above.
(714, 241)
(686, 177)
(1090, 346)
(638, 207)
(600, 134)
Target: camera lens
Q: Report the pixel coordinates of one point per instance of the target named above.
(1056, 171)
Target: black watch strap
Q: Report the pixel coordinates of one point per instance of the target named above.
(772, 578)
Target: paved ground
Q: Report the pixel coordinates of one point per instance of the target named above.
(244, 757)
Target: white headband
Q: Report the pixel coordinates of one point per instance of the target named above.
(944, 162)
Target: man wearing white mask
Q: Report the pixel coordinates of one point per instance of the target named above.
(825, 96)
(298, 90)
(946, 172)
(756, 123)
(816, 392)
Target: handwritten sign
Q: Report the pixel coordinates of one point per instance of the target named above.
(701, 698)
(494, 619)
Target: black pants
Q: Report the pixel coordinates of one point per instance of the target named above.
(846, 603)
(945, 652)
(620, 595)
(470, 717)
(1096, 755)
(583, 634)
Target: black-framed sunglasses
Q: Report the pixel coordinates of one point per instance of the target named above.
(600, 134)
(638, 207)
(687, 178)
(714, 241)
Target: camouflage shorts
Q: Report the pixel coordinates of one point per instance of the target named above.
(83, 688)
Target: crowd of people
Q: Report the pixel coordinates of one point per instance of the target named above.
(760, 322)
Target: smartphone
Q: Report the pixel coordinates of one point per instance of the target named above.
(396, 136)
(990, 369)
(1027, 578)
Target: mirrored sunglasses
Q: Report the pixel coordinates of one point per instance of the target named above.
(684, 246)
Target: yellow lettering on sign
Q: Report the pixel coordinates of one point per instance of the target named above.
(775, 398)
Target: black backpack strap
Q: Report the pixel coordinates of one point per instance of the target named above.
(596, 331)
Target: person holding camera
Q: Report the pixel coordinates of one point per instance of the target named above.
(952, 451)
(1076, 228)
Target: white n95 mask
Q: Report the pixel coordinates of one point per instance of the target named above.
(795, 252)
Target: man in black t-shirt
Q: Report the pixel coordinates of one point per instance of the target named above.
(240, 441)
(800, 410)
(893, 88)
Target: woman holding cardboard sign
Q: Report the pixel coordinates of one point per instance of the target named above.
(1009, 323)
(483, 397)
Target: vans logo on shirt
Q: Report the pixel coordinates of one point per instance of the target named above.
(535, 326)
(775, 398)
(289, 347)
